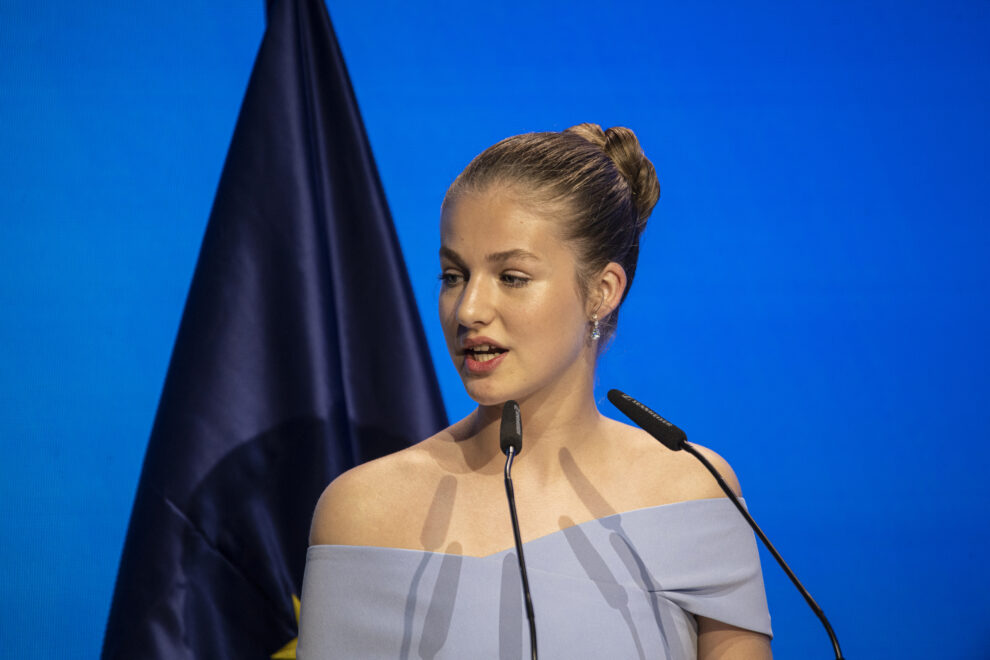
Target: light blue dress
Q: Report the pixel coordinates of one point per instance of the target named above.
(624, 586)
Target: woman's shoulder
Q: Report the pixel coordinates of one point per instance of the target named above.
(367, 504)
(664, 476)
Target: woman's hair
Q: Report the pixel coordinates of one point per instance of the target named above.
(599, 183)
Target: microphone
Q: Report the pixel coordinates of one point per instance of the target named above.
(675, 439)
(510, 432)
(672, 437)
(510, 439)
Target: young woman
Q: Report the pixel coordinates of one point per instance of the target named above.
(632, 550)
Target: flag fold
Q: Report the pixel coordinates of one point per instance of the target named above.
(300, 354)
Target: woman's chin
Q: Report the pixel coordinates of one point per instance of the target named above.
(487, 399)
(487, 394)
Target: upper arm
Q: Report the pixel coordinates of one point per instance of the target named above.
(721, 641)
(718, 640)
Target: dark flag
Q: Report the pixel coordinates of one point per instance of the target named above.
(300, 354)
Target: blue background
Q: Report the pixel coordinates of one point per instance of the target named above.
(811, 300)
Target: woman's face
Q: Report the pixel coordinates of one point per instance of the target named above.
(513, 318)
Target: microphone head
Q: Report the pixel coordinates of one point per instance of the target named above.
(668, 434)
(510, 433)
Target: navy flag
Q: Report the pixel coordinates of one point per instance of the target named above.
(300, 354)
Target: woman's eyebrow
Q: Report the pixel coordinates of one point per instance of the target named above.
(494, 257)
(518, 253)
(450, 255)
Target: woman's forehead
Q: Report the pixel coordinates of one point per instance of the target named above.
(496, 222)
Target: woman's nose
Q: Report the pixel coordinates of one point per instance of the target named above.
(476, 306)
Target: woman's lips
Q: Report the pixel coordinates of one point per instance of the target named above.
(478, 367)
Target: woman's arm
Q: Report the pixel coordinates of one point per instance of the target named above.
(720, 641)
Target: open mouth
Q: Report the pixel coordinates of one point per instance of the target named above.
(483, 352)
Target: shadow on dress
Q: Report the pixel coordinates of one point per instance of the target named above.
(607, 517)
(510, 610)
(432, 535)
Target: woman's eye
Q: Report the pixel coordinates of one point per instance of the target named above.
(514, 280)
(450, 278)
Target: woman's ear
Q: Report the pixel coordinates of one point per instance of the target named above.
(606, 290)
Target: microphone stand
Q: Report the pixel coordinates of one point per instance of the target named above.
(675, 439)
(689, 448)
(510, 494)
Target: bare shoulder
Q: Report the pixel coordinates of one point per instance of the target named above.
(667, 476)
(723, 468)
(364, 505)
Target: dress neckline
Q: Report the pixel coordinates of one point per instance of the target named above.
(613, 519)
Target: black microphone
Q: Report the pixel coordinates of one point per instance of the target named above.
(672, 437)
(510, 432)
(675, 439)
(510, 439)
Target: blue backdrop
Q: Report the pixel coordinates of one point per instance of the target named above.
(811, 300)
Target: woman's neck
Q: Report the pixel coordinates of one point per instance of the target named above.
(550, 424)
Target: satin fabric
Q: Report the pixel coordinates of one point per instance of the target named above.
(624, 586)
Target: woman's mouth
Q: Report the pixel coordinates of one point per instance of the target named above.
(483, 357)
(484, 352)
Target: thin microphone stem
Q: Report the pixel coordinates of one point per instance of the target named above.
(510, 494)
(688, 447)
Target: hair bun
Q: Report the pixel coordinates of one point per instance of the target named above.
(621, 145)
